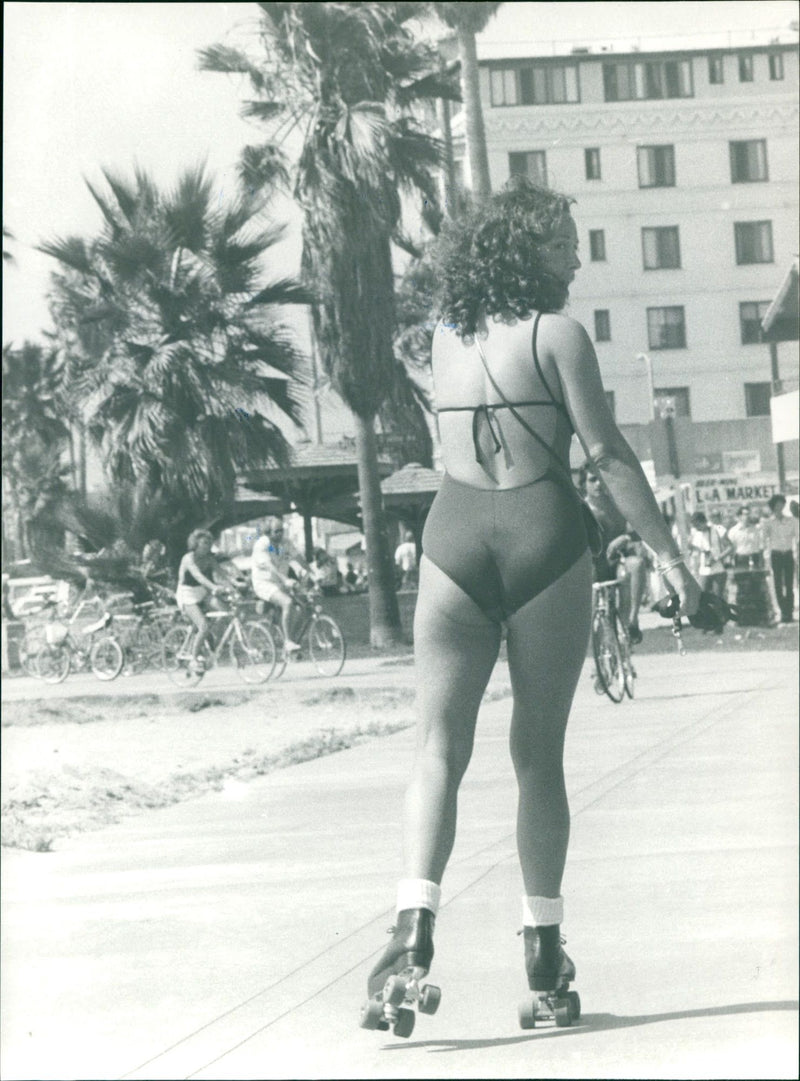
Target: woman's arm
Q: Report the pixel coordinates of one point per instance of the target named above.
(567, 343)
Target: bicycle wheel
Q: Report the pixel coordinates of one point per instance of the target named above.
(106, 658)
(607, 658)
(176, 654)
(52, 663)
(145, 648)
(281, 657)
(253, 652)
(326, 645)
(628, 671)
(32, 642)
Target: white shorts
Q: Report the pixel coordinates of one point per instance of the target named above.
(267, 591)
(190, 595)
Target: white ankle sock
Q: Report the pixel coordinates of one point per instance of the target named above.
(418, 893)
(541, 911)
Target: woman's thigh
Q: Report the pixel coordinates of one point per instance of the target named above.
(455, 647)
(196, 614)
(547, 644)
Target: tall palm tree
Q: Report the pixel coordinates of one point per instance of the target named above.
(467, 20)
(185, 372)
(345, 77)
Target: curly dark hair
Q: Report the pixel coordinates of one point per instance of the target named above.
(488, 260)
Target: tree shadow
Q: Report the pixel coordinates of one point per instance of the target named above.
(596, 1022)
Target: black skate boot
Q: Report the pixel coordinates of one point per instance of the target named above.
(550, 971)
(393, 984)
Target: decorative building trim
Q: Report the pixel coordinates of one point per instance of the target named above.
(612, 121)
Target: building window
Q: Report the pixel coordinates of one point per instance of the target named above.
(745, 67)
(531, 163)
(666, 328)
(640, 80)
(591, 157)
(672, 401)
(753, 242)
(661, 248)
(756, 399)
(716, 70)
(597, 245)
(656, 166)
(776, 66)
(539, 84)
(602, 325)
(611, 402)
(748, 161)
(750, 315)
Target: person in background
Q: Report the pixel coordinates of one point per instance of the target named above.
(747, 538)
(405, 558)
(781, 532)
(273, 574)
(623, 557)
(325, 573)
(197, 587)
(627, 555)
(708, 549)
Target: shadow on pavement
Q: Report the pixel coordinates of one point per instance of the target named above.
(596, 1022)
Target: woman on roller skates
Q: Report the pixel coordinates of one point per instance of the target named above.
(506, 550)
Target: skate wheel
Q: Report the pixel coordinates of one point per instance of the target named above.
(563, 1013)
(394, 991)
(527, 1014)
(574, 1000)
(372, 1015)
(429, 999)
(404, 1025)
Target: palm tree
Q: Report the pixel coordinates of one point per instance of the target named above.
(467, 20)
(176, 351)
(345, 77)
(34, 441)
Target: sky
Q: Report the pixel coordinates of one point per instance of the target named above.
(92, 85)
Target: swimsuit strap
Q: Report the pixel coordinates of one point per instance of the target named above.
(539, 372)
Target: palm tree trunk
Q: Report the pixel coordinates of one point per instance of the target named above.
(443, 106)
(473, 114)
(384, 613)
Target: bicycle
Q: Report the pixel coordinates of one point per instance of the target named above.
(615, 674)
(250, 647)
(69, 648)
(317, 633)
(141, 634)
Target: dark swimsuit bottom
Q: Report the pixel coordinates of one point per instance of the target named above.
(504, 546)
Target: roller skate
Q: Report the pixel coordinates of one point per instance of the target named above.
(393, 984)
(550, 972)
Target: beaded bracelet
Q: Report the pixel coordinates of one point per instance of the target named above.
(663, 568)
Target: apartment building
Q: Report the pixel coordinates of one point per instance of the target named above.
(684, 167)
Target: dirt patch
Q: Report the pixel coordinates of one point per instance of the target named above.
(85, 763)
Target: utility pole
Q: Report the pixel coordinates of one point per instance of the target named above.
(777, 387)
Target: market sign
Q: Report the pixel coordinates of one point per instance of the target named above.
(715, 491)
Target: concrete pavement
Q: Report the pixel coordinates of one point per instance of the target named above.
(231, 936)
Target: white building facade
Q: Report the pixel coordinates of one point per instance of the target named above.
(684, 167)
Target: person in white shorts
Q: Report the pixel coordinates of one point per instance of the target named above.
(196, 586)
(271, 562)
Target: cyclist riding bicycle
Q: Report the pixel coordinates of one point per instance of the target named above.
(274, 568)
(197, 587)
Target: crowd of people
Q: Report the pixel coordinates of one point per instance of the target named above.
(747, 538)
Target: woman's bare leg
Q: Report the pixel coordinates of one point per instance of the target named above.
(455, 648)
(547, 642)
(198, 617)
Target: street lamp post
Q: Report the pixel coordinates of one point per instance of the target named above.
(650, 385)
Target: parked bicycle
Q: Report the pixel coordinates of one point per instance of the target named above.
(141, 634)
(318, 634)
(615, 674)
(71, 647)
(249, 646)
